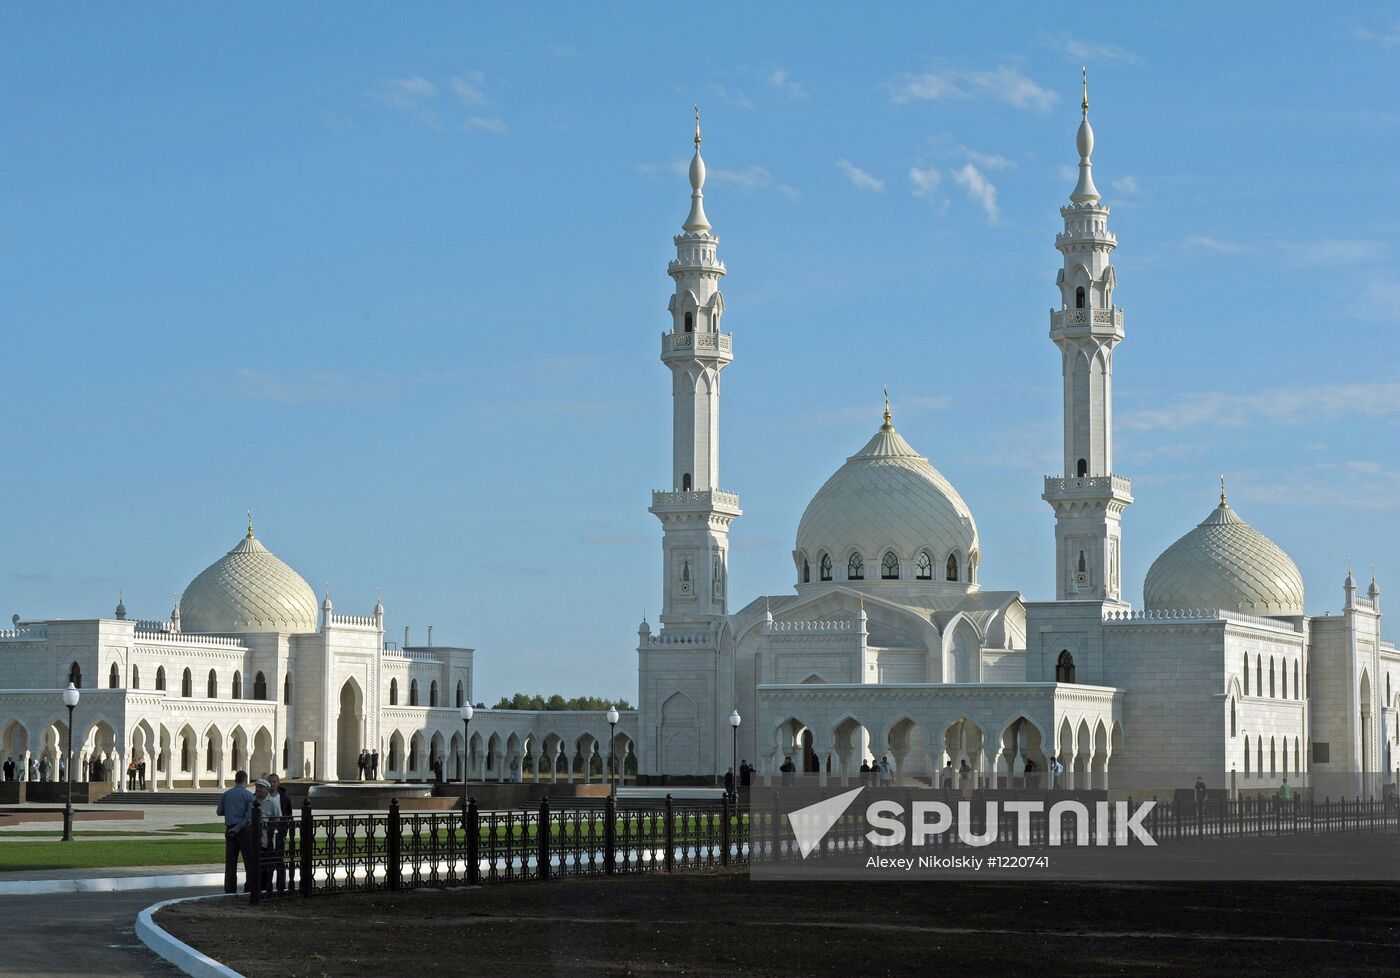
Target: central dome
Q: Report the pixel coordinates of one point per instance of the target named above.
(248, 589)
(1225, 564)
(888, 498)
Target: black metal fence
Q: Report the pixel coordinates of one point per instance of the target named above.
(336, 853)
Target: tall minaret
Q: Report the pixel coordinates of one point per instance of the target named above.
(695, 513)
(1089, 498)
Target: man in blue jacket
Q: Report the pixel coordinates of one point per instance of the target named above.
(236, 806)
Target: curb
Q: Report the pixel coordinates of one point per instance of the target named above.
(176, 951)
(111, 884)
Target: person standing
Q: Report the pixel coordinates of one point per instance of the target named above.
(9, 768)
(788, 770)
(40, 771)
(131, 775)
(729, 784)
(270, 817)
(361, 761)
(948, 774)
(1056, 769)
(1285, 790)
(284, 826)
(1200, 790)
(745, 774)
(374, 765)
(236, 807)
(141, 773)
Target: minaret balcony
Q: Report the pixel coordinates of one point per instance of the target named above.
(718, 346)
(1111, 317)
(695, 501)
(1088, 487)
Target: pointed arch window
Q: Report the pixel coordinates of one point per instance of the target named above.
(135, 678)
(237, 684)
(160, 677)
(1271, 675)
(1246, 755)
(432, 693)
(187, 684)
(413, 692)
(951, 568)
(1297, 690)
(690, 322)
(1064, 667)
(855, 568)
(923, 567)
(213, 685)
(393, 692)
(806, 571)
(287, 689)
(461, 697)
(114, 677)
(1246, 674)
(826, 567)
(889, 567)
(685, 482)
(260, 687)
(75, 676)
(1079, 297)
(1283, 678)
(1232, 716)
(1081, 469)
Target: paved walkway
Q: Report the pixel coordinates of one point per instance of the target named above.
(81, 934)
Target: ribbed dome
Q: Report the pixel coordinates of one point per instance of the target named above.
(1225, 564)
(248, 589)
(887, 496)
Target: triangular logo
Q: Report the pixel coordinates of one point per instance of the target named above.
(811, 824)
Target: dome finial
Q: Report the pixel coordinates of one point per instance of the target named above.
(1084, 74)
(697, 127)
(1222, 491)
(887, 408)
(250, 524)
(1084, 191)
(696, 222)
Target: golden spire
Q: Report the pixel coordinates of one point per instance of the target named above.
(697, 127)
(250, 524)
(1084, 72)
(887, 406)
(1222, 490)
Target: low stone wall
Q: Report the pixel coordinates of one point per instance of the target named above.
(51, 792)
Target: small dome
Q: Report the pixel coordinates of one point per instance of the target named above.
(248, 589)
(1225, 564)
(887, 496)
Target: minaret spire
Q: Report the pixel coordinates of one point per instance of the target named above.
(696, 221)
(1084, 191)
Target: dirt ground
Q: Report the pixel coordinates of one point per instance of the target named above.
(724, 924)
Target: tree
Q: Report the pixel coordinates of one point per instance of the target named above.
(537, 701)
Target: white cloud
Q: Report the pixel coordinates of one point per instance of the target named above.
(978, 189)
(785, 83)
(1280, 405)
(1126, 186)
(735, 98)
(749, 178)
(1380, 299)
(1386, 37)
(900, 407)
(1356, 484)
(1222, 245)
(1002, 84)
(925, 181)
(1334, 251)
(1091, 52)
(411, 96)
(859, 178)
(987, 161)
(486, 123)
(469, 89)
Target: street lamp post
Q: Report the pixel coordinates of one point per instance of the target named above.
(612, 748)
(466, 713)
(734, 722)
(70, 700)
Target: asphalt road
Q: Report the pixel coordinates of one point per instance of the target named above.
(88, 934)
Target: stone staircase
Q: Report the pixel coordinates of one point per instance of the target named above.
(177, 796)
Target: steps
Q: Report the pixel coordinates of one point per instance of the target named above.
(176, 796)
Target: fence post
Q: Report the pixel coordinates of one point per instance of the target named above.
(543, 829)
(724, 831)
(609, 835)
(393, 871)
(473, 843)
(254, 866)
(308, 839)
(775, 826)
(670, 835)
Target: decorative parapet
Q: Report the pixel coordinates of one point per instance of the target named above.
(817, 625)
(1069, 318)
(685, 343)
(154, 625)
(673, 639)
(359, 621)
(184, 638)
(1200, 615)
(26, 633)
(678, 501)
(1088, 486)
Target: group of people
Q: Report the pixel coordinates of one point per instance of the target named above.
(39, 769)
(368, 764)
(269, 843)
(746, 772)
(136, 775)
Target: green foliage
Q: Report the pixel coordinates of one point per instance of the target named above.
(536, 701)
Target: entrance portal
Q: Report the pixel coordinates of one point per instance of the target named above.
(349, 731)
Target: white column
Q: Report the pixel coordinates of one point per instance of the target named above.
(24, 770)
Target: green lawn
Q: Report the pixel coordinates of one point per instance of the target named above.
(209, 828)
(84, 854)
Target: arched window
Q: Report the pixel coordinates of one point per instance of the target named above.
(1246, 674)
(213, 685)
(135, 678)
(1297, 757)
(259, 687)
(1273, 758)
(1079, 297)
(209, 755)
(432, 693)
(889, 567)
(461, 698)
(690, 322)
(75, 676)
(237, 684)
(806, 571)
(1259, 755)
(685, 482)
(1082, 469)
(1064, 667)
(160, 677)
(285, 752)
(1283, 678)
(1246, 755)
(187, 684)
(923, 567)
(186, 754)
(1258, 675)
(855, 568)
(393, 692)
(413, 692)
(287, 690)
(1232, 716)
(952, 567)
(114, 677)
(1297, 690)
(1271, 675)
(826, 567)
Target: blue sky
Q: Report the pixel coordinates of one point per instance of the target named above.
(394, 280)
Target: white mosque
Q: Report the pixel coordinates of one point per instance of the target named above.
(886, 645)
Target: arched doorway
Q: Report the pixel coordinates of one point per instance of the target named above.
(348, 731)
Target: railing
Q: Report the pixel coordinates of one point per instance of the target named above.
(687, 499)
(314, 854)
(684, 342)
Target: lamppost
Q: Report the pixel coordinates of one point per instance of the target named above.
(734, 758)
(70, 700)
(612, 747)
(466, 712)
